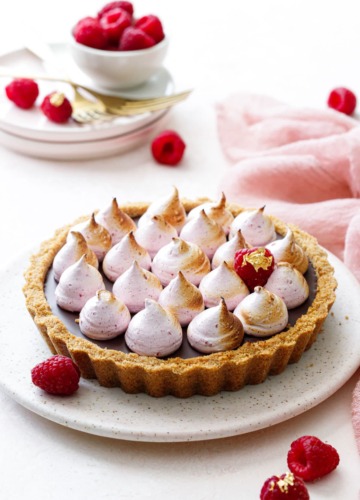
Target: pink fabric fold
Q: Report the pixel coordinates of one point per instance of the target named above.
(303, 164)
(355, 412)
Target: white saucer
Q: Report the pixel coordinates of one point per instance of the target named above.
(32, 124)
(81, 150)
(331, 361)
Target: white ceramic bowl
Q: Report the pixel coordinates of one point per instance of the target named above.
(116, 70)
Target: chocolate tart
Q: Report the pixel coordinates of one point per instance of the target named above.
(180, 376)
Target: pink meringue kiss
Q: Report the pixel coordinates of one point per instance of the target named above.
(135, 285)
(289, 284)
(121, 256)
(116, 221)
(154, 331)
(256, 227)
(215, 330)
(74, 248)
(104, 316)
(182, 298)
(78, 283)
(97, 237)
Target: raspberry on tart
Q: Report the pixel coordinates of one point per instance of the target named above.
(254, 266)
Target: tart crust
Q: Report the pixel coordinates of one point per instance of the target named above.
(207, 375)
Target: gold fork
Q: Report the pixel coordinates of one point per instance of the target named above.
(104, 107)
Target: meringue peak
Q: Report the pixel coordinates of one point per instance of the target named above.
(170, 207)
(257, 228)
(287, 250)
(74, 248)
(116, 221)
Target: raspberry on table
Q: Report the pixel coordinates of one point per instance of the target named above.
(168, 148)
(113, 23)
(23, 92)
(343, 100)
(128, 6)
(254, 266)
(310, 458)
(135, 39)
(57, 375)
(56, 107)
(88, 31)
(152, 26)
(287, 486)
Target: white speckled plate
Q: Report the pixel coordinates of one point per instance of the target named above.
(110, 412)
(33, 125)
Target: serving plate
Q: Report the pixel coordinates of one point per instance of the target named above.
(322, 370)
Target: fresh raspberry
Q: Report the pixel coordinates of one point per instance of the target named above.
(56, 107)
(23, 92)
(168, 148)
(113, 23)
(135, 39)
(343, 100)
(254, 266)
(57, 375)
(310, 458)
(287, 486)
(152, 27)
(89, 32)
(128, 6)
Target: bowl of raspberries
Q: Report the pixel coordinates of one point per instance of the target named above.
(116, 49)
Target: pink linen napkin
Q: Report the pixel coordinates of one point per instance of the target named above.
(304, 165)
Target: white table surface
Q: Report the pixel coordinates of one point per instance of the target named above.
(296, 51)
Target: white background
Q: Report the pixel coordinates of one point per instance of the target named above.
(294, 50)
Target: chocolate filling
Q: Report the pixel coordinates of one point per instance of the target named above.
(185, 351)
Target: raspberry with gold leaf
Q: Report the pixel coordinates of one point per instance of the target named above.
(254, 266)
(287, 487)
(56, 107)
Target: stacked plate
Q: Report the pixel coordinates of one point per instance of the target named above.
(29, 132)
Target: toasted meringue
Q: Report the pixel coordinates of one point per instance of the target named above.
(287, 282)
(180, 255)
(215, 330)
(226, 252)
(207, 234)
(223, 282)
(104, 316)
(262, 313)
(78, 283)
(135, 285)
(117, 222)
(216, 211)
(121, 256)
(97, 236)
(170, 207)
(182, 298)
(74, 248)
(287, 250)
(257, 228)
(155, 234)
(154, 331)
